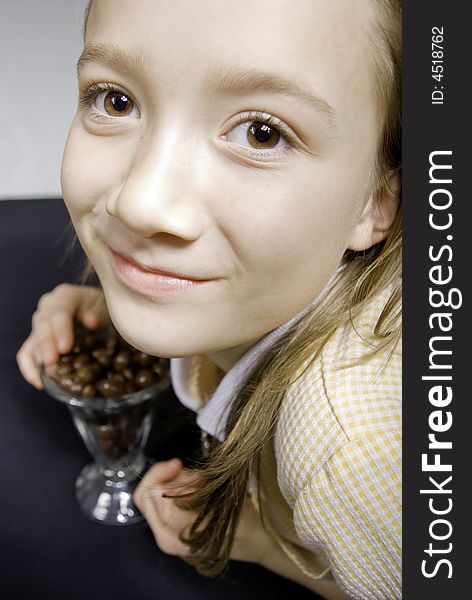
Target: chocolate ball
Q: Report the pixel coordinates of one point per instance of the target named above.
(103, 364)
(144, 379)
(143, 359)
(121, 360)
(103, 356)
(87, 373)
(89, 391)
(65, 359)
(81, 360)
(128, 374)
(109, 388)
(63, 369)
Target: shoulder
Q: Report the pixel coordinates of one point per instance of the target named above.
(364, 394)
(351, 509)
(338, 400)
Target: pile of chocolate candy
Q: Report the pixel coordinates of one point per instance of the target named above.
(103, 365)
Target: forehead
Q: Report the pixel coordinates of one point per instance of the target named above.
(321, 45)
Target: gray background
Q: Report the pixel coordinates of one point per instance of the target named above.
(40, 41)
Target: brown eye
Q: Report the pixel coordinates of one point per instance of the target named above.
(117, 104)
(262, 135)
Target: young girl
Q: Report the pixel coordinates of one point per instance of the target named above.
(232, 173)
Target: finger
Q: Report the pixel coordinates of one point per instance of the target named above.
(62, 329)
(181, 489)
(68, 302)
(163, 516)
(162, 473)
(63, 295)
(158, 514)
(74, 300)
(89, 318)
(154, 481)
(93, 311)
(44, 345)
(27, 365)
(186, 482)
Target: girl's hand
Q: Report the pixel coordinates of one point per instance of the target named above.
(163, 516)
(52, 330)
(167, 520)
(252, 542)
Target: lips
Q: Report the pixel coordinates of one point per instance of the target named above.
(156, 270)
(150, 280)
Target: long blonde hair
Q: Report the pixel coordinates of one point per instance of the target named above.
(226, 473)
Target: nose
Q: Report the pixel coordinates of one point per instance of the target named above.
(159, 191)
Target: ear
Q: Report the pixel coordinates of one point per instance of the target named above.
(377, 216)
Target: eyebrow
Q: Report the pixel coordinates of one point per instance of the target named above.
(244, 81)
(233, 80)
(112, 55)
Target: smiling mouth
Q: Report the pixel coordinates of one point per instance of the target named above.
(150, 281)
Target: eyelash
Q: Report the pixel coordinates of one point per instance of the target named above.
(266, 119)
(88, 94)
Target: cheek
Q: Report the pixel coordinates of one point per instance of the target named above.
(89, 170)
(292, 221)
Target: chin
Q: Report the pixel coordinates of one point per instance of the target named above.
(165, 342)
(168, 330)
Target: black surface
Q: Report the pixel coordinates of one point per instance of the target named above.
(48, 549)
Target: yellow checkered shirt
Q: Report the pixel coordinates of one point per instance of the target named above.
(331, 481)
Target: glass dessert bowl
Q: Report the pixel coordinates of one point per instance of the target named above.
(114, 419)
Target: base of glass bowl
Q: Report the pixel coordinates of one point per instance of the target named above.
(104, 500)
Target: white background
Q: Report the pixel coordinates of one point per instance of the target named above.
(40, 41)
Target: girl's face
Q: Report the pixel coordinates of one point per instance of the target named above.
(228, 146)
